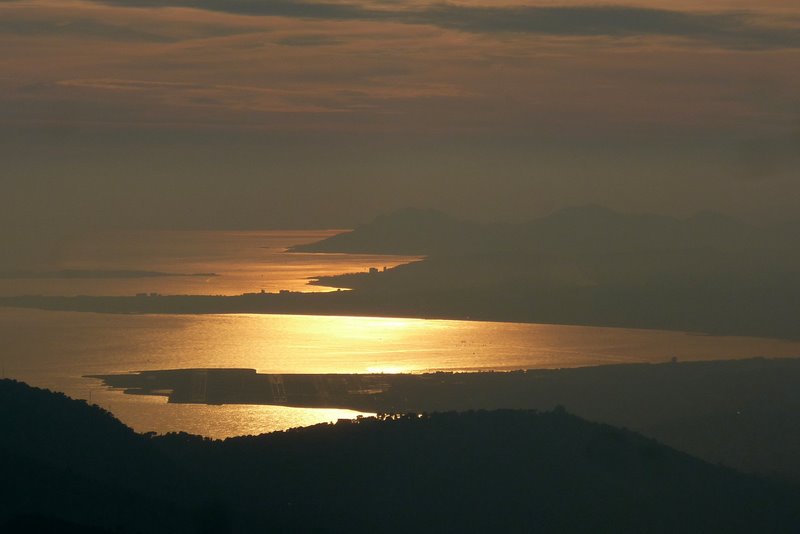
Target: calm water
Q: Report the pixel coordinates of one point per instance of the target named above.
(55, 349)
(246, 262)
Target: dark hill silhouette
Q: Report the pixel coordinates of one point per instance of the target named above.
(65, 460)
(741, 413)
(473, 472)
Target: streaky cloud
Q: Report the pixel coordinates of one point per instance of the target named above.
(742, 30)
(737, 30)
(82, 28)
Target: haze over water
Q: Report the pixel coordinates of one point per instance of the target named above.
(56, 349)
(244, 262)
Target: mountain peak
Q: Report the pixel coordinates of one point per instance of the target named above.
(413, 215)
(583, 214)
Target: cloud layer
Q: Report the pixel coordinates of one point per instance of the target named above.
(231, 112)
(737, 30)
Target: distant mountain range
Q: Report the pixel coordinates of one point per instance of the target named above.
(572, 230)
(576, 248)
(587, 265)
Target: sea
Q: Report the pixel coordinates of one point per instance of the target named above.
(57, 350)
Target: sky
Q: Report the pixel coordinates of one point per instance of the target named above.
(301, 113)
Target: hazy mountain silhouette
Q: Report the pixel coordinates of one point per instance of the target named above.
(587, 246)
(474, 472)
(409, 231)
(576, 230)
(591, 265)
(585, 266)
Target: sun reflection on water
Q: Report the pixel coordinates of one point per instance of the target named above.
(373, 329)
(146, 414)
(58, 349)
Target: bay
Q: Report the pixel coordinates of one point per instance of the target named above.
(57, 350)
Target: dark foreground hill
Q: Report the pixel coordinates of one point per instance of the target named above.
(740, 413)
(68, 465)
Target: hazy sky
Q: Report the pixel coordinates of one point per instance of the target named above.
(271, 113)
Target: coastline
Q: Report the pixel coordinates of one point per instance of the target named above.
(741, 413)
(715, 315)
